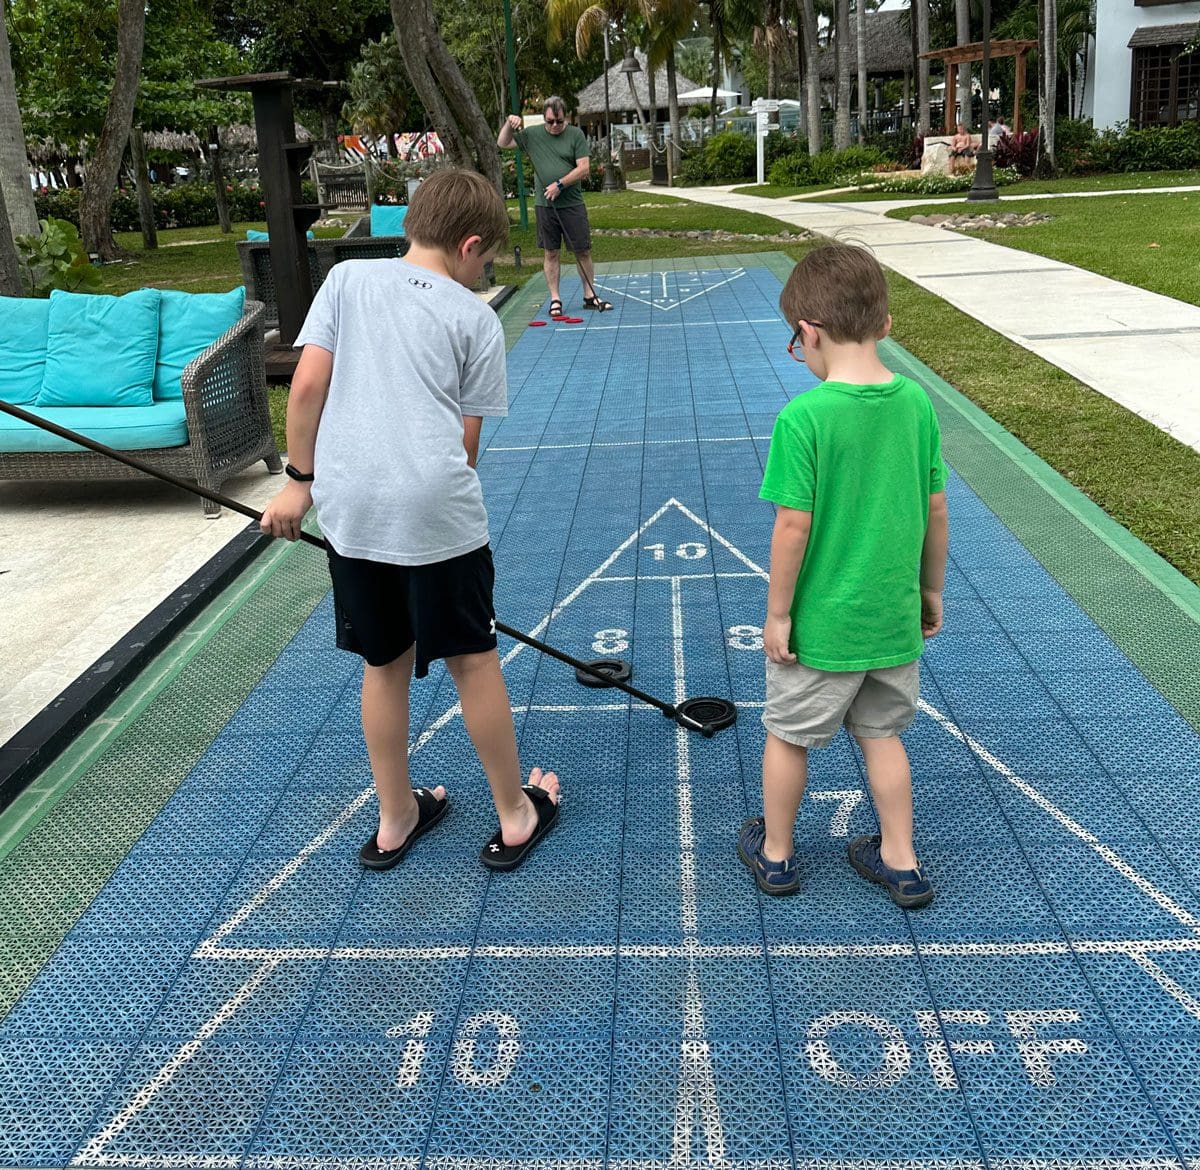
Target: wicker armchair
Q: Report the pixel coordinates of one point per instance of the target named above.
(255, 258)
(228, 422)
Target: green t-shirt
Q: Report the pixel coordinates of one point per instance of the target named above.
(553, 155)
(864, 461)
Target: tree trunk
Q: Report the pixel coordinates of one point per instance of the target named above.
(673, 156)
(812, 77)
(425, 83)
(14, 163)
(860, 46)
(716, 68)
(1048, 86)
(633, 98)
(10, 272)
(773, 34)
(218, 174)
(137, 148)
(841, 127)
(652, 95)
(417, 16)
(922, 23)
(962, 28)
(95, 207)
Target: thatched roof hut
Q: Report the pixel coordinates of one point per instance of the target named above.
(49, 153)
(590, 99)
(888, 47)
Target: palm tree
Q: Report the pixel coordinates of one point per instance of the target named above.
(379, 92)
(21, 214)
(668, 20)
(585, 21)
(806, 15)
(10, 270)
(1048, 89)
(860, 52)
(920, 10)
(962, 28)
(1076, 25)
(841, 124)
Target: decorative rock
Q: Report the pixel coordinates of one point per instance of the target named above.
(990, 221)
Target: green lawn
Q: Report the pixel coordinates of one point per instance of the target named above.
(1076, 183)
(1146, 480)
(770, 191)
(1147, 240)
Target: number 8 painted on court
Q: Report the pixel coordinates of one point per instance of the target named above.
(611, 641)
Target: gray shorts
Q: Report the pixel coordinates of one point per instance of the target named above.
(554, 224)
(806, 707)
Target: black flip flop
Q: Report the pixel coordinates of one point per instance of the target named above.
(599, 305)
(554, 316)
(496, 855)
(430, 810)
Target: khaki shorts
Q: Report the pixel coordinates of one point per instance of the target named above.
(806, 707)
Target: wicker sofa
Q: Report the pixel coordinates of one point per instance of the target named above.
(224, 406)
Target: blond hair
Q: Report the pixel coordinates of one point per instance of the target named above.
(453, 204)
(843, 288)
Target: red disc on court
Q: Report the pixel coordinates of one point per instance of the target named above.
(532, 323)
(569, 320)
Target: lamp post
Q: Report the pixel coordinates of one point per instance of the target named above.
(629, 66)
(516, 108)
(983, 186)
(610, 180)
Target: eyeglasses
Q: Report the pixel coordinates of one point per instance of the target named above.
(554, 121)
(796, 337)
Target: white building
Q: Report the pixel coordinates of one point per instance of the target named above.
(1137, 73)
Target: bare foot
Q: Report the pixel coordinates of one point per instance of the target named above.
(517, 829)
(394, 833)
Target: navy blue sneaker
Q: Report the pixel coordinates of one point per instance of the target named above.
(772, 877)
(909, 888)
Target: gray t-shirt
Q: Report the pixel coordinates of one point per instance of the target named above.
(413, 352)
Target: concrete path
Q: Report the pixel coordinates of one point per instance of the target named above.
(1137, 347)
(883, 206)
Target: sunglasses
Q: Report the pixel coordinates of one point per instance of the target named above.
(554, 121)
(791, 346)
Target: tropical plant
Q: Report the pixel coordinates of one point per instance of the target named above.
(381, 95)
(55, 259)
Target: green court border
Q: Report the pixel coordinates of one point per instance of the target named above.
(86, 810)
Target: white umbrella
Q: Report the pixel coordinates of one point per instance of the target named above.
(702, 95)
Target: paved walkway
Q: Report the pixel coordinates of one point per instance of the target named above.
(1136, 347)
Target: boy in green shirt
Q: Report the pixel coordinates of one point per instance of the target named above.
(858, 560)
(559, 154)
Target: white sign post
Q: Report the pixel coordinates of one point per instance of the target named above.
(763, 109)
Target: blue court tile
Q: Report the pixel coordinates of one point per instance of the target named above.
(213, 821)
(104, 986)
(337, 1098)
(49, 1091)
(182, 1100)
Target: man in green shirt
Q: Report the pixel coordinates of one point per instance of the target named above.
(561, 162)
(858, 560)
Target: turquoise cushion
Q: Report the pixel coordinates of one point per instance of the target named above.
(101, 350)
(188, 323)
(387, 219)
(261, 237)
(129, 428)
(24, 323)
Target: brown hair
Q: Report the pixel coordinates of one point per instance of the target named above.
(842, 287)
(453, 204)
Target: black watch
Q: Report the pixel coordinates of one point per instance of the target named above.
(299, 474)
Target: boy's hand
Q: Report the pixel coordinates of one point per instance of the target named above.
(776, 633)
(931, 612)
(284, 514)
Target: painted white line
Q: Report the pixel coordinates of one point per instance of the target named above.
(736, 275)
(1174, 989)
(633, 443)
(673, 577)
(671, 325)
(1109, 855)
(689, 898)
(741, 556)
(182, 1055)
(696, 1099)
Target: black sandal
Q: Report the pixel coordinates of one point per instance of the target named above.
(597, 304)
(556, 313)
(430, 810)
(496, 855)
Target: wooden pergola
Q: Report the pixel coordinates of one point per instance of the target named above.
(964, 54)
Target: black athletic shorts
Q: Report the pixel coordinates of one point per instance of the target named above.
(574, 227)
(445, 608)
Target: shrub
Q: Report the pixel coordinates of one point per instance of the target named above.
(937, 184)
(724, 158)
(1074, 145)
(828, 168)
(55, 259)
(895, 146)
(1019, 151)
(779, 146)
(1157, 148)
(181, 205)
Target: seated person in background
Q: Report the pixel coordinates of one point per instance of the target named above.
(961, 145)
(996, 130)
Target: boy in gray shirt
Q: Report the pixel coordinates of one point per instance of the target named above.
(401, 364)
